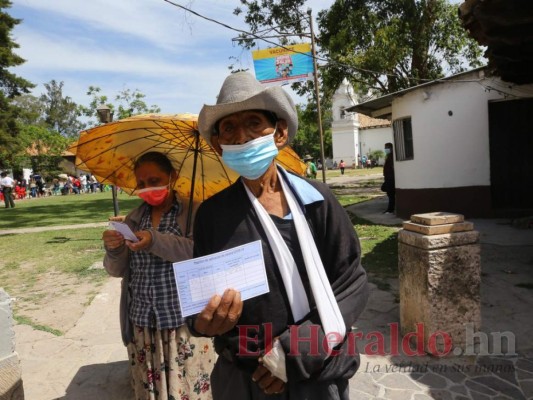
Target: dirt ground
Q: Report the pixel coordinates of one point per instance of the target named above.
(55, 301)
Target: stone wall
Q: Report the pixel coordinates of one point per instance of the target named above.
(10, 375)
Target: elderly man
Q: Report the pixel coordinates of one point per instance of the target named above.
(290, 343)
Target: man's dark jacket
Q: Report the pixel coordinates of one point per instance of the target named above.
(228, 219)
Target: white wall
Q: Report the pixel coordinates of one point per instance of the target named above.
(27, 173)
(371, 139)
(449, 151)
(345, 147)
(344, 127)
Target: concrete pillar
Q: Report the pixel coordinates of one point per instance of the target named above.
(10, 375)
(440, 275)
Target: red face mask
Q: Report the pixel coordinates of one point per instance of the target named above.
(155, 196)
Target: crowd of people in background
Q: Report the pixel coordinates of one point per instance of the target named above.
(66, 184)
(36, 186)
(364, 161)
(77, 185)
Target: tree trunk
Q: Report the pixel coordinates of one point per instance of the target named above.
(421, 33)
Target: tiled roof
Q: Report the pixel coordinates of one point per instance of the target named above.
(33, 151)
(368, 122)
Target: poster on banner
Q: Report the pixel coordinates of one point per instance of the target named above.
(282, 65)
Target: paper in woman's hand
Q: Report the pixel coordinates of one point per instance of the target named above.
(125, 230)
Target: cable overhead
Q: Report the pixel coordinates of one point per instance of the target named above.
(327, 61)
(334, 62)
(255, 36)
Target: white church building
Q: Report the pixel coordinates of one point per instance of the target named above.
(355, 135)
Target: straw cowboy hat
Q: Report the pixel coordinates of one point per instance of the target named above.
(240, 92)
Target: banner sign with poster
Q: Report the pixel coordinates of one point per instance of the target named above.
(282, 65)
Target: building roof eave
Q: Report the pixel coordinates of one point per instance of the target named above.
(381, 107)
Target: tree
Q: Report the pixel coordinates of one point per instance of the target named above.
(377, 155)
(42, 149)
(41, 142)
(130, 102)
(391, 45)
(31, 110)
(11, 86)
(60, 112)
(96, 99)
(382, 45)
(307, 139)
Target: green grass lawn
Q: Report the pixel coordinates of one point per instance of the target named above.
(379, 247)
(29, 256)
(348, 199)
(64, 210)
(332, 173)
(70, 251)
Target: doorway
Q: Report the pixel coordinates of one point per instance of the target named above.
(511, 157)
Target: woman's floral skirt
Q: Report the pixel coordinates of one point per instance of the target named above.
(170, 364)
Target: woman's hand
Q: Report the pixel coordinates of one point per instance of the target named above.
(145, 241)
(112, 239)
(220, 315)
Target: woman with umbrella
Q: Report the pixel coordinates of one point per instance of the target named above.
(166, 361)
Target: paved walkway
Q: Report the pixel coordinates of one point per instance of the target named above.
(506, 256)
(89, 361)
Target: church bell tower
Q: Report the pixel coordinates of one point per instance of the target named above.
(345, 126)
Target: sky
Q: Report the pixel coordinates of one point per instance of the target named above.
(175, 58)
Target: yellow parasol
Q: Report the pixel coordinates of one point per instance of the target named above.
(109, 152)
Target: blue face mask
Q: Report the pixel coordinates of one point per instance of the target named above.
(387, 151)
(252, 159)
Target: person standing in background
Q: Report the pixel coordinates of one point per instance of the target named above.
(33, 187)
(94, 183)
(39, 181)
(342, 165)
(389, 185)
(83, 183)
(7, 184)
(310, 171)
